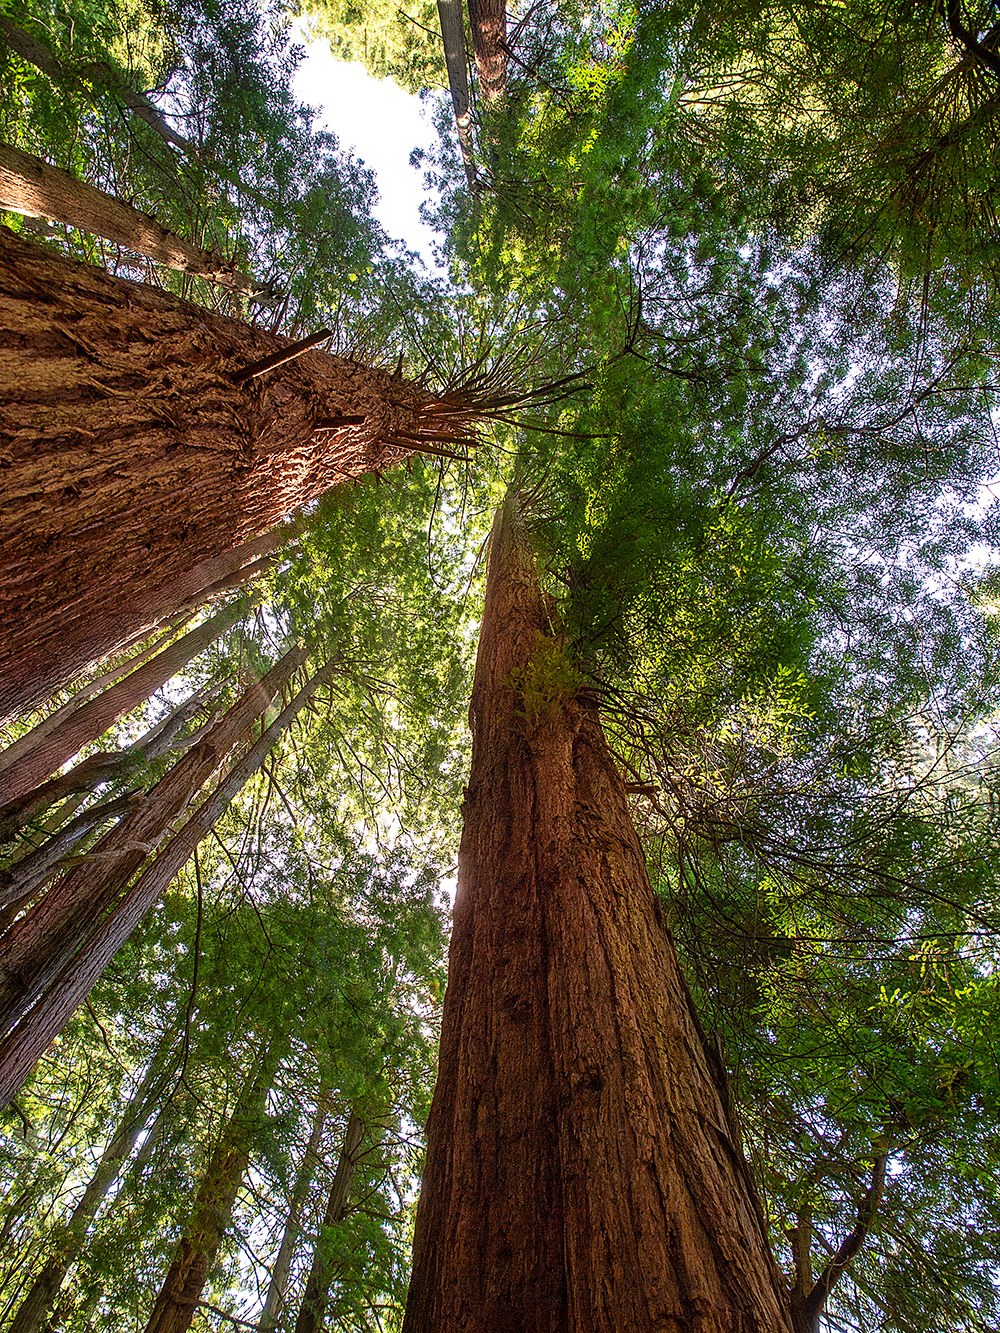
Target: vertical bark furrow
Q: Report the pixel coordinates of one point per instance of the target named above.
(162, 463)
(580, 1172)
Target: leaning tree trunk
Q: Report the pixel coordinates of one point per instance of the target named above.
(44, 1291)
(312, 1311)
(29, 185)
(581, 1171)
(79, 78)
(70, 978)
(93, 719)
(141, 436)
(184, 1284)
(38, 946)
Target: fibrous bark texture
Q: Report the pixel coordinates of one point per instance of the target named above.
(581, 1175)
(488, 21)
(129, 457)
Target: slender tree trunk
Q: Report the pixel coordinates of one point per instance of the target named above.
(31, 186)
(132, 457)
(44, 1291)
(278, 1285)
(87, 723)
(38, 53)
(23, 879)
(70, 978)
(187, 1275)
(453, 40)
(488, 21)
(312, 1312)
(38, 946)
(581, 1172)
(11, 753)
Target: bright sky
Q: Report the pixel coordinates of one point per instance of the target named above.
(381, 123)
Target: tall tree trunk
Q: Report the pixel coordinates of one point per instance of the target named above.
(105, 766)
(44, 1291)
(70, 978)
(31, 48)
(24, 878)
(187, 1275)
(31, 186)
(453, 41)
(312, 1311)
(280, 1272)
(134, 451)
(87, 723)
(581, 1172)
(17, 749)
(488, 21)
(38, 946)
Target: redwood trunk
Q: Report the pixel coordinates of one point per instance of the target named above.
(488, 21)
(37, 947)
(93, 719)
(581, 1173)
(131, 457)
(187, 1275)
(312, 1312)
(31, 186)
(71, 978)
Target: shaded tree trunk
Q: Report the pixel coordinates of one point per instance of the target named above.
(453, 40)
(132, 457)
(38, 946)
(23, 879)
(312, 1311)
(44, 1291)
(31, 186)
(281, 1271)
(581, 1172)
(70, 978)
(488, 21)
(93, 719)
(70, 75)
(187, 1275)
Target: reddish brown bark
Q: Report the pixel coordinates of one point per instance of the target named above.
(93, 719)
(71, 979)
(41, 943)
(488, 21)
(130, 457)
(581, 1173)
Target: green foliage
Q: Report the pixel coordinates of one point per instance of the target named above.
(391, 42)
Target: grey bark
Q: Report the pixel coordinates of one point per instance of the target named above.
(30, 186)
(312, 1311)
(277, 1288)
(453, 39)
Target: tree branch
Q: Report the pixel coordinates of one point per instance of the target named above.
(812, 1306)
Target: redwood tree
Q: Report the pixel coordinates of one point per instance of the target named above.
(582, 1171)
(141, 437)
